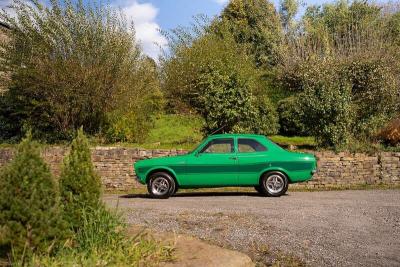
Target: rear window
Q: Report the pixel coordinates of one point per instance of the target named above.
(250, 145)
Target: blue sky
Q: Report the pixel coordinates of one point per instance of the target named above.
(152, 15)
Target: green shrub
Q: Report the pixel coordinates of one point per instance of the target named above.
(103, 241)
(291, 117)
(226, 100)
(265, 120)
(256, 24)
(212, 75)
(80, 186)
(374, 84)
(30, 217)
(70, 64)
(130, 127)
(329, 110)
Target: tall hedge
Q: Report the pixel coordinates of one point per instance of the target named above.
(30, 218)
(79, 184)
(291, 117)
(329, 110)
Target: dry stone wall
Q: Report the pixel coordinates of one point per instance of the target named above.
(346, 169)
(115, 166)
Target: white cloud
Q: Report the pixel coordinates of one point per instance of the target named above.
(147, 30)
(144, 17)
(4, 5)
(221, 2)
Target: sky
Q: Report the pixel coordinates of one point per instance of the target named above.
(150, 16)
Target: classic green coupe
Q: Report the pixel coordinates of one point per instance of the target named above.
(228, 160)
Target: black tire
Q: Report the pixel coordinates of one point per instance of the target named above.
(259, 189)
(274, 184)
(176, 189)
(161, 185)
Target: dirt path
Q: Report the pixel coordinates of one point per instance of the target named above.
(337, 228)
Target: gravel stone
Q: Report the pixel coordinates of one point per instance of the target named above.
(334, 228)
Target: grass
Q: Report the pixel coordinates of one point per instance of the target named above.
(301, 141)
(174, 131)
(103, 241)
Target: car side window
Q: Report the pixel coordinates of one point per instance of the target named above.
(249, 146)
(219, 146)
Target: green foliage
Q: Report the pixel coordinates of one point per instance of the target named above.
(343, 28)
(375, 86)
(300, 141)
(102, 241)
(71, 65)
(10, 123)
(288, 11)
(131, 127)
(79, 184)
(291, 117)
(328, 106)
(214, 76)
(30, 217)
(132, 120)
(352, 43)
(224, 100)
(265, 120)
(256, 24)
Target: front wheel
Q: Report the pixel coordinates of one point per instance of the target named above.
(161, 185)
(274, 184)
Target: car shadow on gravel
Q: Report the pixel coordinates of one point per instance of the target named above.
(198, 194)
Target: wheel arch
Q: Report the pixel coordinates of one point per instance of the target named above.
(283, 171)
(162, 169)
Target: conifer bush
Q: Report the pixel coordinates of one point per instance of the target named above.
(30, 217)
(79, 184)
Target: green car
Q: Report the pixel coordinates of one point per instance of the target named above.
(228, 160)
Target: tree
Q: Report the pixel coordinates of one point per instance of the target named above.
(80, 186)
(71, 65)
(288, 11)
(31, 217)
(213, 75)
(256, 24)
(354, 43)
(328, 110)
(291, 117)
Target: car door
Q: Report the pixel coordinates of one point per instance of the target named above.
(252, 159)
(215, 164)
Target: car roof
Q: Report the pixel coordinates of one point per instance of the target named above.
(236, 135)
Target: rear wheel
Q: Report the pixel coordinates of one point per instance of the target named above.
(161, 185)
(274, 184)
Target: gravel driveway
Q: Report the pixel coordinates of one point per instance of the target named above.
(336, 228)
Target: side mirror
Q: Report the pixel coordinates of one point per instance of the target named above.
(197, 154)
